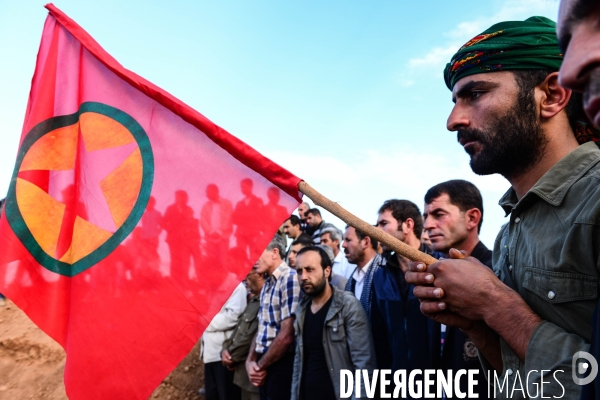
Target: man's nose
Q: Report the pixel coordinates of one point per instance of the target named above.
(457, 119)
(581, 58)
(428, 223)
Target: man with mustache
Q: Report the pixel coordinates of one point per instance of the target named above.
(579, 39)
(514, 118)
(453, 216)
(361, 250)
(332, 331)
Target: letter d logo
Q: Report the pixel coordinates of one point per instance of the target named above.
(580, 367)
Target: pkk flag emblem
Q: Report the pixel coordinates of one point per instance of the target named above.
(130, 218)
(99, 149)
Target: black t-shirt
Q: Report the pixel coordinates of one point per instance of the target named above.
(316, 381)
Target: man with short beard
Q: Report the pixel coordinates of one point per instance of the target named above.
(332, 332)
(361, 250)
(399, 328)
(302, 209)
(315, 221)
(513, 118)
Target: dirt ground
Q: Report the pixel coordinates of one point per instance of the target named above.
(32, 364)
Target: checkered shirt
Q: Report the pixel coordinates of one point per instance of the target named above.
(278, 301)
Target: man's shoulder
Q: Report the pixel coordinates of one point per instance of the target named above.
(287, 275)
(346, 298)
(583, 198)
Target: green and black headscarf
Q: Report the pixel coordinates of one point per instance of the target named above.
(510, 46)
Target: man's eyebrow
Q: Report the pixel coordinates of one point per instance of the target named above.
(436, 210)
(468, 87)
(582, 9)
(579, 11)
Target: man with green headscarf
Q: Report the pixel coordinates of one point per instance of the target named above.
(513, 118)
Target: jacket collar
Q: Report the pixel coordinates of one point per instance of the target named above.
(556, 182)
(336, 304)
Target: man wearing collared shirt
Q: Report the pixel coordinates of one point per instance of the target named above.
(270, 362)
(332, 238)
(516, 120)
(453, 216)
(361, 250)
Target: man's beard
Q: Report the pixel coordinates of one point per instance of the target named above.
(512, 143)
(399, 235)
(317, 289)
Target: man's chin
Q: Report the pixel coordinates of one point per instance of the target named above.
(440, 247)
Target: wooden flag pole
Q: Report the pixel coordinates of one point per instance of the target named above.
(368, 229)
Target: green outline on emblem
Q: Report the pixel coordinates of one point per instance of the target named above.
(15, 218)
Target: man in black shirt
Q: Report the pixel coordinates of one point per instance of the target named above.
(453, 217)
(332, 331)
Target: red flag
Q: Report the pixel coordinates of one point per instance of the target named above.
(126, 225)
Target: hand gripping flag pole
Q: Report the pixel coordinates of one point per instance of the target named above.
(368, 229)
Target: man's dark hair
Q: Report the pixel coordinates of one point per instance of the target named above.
(294, 220)
(462, 194)
(360, 235)
(304, 241)
(529, 79)
(325, 260)
(403, 210)
(313, 211)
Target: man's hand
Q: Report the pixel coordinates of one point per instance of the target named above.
(459, 286)
(256, 375)
(226, 360)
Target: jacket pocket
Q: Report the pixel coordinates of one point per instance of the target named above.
(560, 287)
(336, 331)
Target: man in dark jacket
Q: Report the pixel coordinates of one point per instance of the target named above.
(316, 223)
(453, 217)
(332, 332)
(399, 328)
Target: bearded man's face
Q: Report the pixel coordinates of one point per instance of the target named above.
(497, 124)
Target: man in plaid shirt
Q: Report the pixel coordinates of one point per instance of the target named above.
(271, 362)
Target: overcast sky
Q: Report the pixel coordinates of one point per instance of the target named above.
(347, 95)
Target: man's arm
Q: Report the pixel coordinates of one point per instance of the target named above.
(280, 345)
(358, 335)
(255, 374)
(227, 318)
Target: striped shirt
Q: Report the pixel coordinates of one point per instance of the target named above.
(278, 301)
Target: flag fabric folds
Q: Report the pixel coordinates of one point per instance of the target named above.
(127, 224)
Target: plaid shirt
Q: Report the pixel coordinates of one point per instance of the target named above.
(278, 301)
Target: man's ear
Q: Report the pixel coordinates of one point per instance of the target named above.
(410, 225)
(473, 218)
(366, 242)
(554, 97)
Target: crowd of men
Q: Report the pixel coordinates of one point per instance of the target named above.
(335, 300)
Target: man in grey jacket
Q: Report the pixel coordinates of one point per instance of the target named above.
(332, 331)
